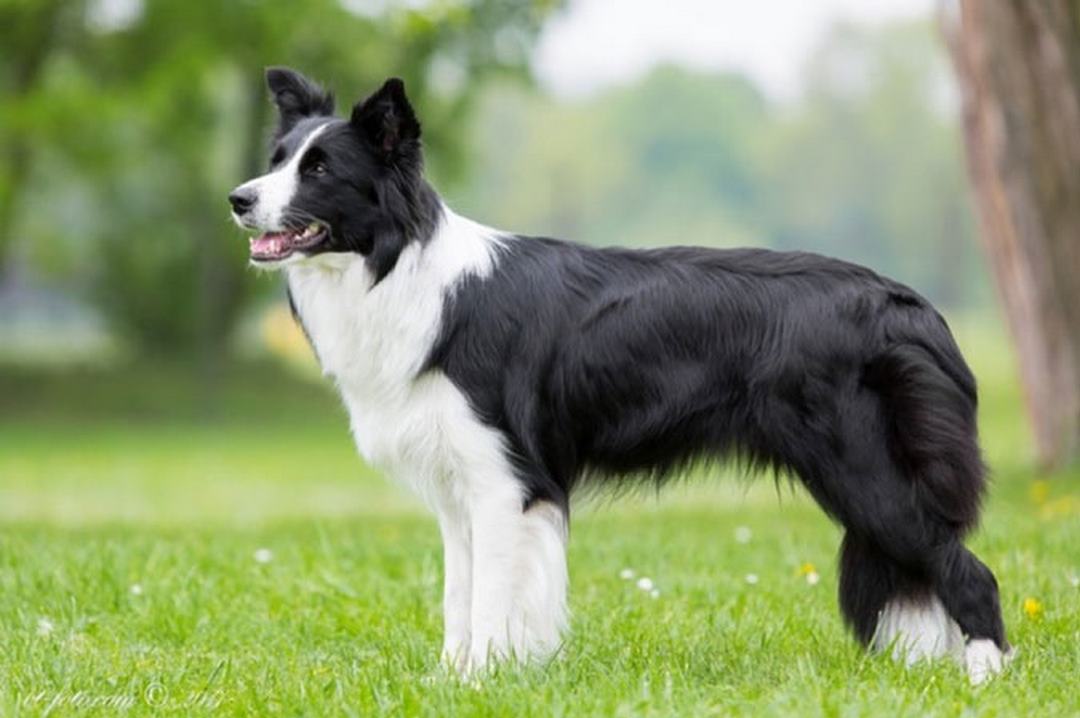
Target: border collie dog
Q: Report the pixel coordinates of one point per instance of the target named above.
(495, 374)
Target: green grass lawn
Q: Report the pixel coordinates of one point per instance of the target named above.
(134, 506)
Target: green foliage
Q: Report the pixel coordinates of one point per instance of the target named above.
(139, 126)
(870, 167)
(122, 136)
(865, 165)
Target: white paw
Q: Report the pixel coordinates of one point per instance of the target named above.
(917, 629)
(983, 660)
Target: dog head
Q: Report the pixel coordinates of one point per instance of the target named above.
(337, 186)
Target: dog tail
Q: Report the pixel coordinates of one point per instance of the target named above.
(930, 397)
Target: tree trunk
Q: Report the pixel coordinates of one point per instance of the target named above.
(1018, 62)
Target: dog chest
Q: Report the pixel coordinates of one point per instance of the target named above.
(424, 432)
(412, 423)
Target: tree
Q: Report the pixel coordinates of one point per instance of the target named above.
(1018, 62)
(865, 165)
(868, 166)
(33, 30)
(155, 115)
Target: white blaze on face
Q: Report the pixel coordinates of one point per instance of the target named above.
(274, 191)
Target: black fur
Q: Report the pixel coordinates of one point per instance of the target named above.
(602, 366)
(606, 363)
(370, 189)
(296, 98)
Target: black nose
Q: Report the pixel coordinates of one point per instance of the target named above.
(242, 200)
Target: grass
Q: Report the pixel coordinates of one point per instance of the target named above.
(132, 505)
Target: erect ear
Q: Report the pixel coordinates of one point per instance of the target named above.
(386, 119)
(296, 97)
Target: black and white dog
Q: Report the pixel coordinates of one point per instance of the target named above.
(495, 374)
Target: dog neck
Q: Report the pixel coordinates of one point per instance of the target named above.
(374, 336)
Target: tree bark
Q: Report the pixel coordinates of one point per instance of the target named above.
(1018, 62)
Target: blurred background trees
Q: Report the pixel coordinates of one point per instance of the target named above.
(1019, 64)
(124, 124)
(866, 165)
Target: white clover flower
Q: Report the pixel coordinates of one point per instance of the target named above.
(136, 589)
(264, 555)
(44, 627)
(743, 534)
(655, 593)
(645, 583)
(752, 578)
(626, 574)
(812, 578)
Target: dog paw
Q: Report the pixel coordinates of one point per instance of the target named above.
(912, 630)
(984, 660)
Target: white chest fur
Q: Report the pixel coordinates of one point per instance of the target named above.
(374, 340)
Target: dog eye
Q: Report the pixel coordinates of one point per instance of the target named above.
(317, 169)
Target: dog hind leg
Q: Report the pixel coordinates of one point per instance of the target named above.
(909, 585)
(892, 609)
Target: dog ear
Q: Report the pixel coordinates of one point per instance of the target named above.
(296, 97)
(387, 121)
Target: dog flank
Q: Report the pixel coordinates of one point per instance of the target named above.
(497, 375)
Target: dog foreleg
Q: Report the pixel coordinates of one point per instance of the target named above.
(457, 587)
(519, 579)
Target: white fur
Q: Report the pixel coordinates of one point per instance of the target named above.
(275, 190)
(457, 585)
(917, 629)
(519, 580)
(983, 660)
(505, 568)
(914, 630)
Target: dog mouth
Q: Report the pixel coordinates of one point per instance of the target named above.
(276, 246)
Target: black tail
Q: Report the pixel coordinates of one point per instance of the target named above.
(908, 555)
(930, 400)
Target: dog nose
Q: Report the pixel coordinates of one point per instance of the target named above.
(242, 200)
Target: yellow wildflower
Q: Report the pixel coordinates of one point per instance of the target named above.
(810, 573)
(1032, 607)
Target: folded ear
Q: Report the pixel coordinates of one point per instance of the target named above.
(386, 119)
(296, 97)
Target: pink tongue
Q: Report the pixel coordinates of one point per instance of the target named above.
(270, 243)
